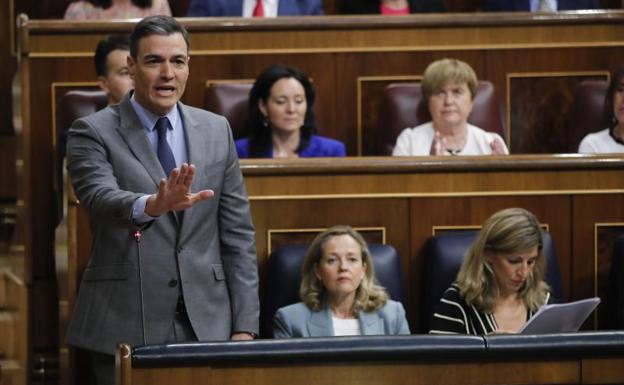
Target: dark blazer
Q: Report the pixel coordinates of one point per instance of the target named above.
(372, 7)
(298, 320)
(212, 251)
(234, 8)
(319, 146)
(524, 5)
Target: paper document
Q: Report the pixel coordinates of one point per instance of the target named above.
(560, 317)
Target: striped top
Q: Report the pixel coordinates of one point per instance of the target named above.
(454, 316)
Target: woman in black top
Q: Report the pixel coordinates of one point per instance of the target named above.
(500, 284)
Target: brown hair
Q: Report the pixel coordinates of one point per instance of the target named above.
(443, 71)
(508, 231)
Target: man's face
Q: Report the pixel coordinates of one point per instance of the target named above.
(160, 71)
(117, 81)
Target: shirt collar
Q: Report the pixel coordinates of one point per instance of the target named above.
(148, 118)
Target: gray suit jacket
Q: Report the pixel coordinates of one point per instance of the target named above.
(111, 164)
(297, 320)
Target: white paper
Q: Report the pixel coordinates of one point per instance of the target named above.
(560, 317)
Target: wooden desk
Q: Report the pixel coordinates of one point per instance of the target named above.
(406, 360)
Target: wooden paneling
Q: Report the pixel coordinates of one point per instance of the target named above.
(597, 371)
(277, 238)
(369, 97)
(595, 226)
(370, 373)
(7, 168)
(15, 316)
(8, 64)
(605, 235)
(538, 124)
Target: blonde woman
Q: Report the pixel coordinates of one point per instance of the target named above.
(500, 284)
(339, 293)
(449, 87)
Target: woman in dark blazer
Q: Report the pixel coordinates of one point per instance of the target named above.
(339, 293)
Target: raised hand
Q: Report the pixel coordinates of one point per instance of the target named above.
(241, 336)
(438, 145)
(497, 147)
(174, 193)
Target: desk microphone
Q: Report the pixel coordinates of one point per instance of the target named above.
(137, 237)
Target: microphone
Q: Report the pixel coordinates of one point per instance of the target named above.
(137, 237)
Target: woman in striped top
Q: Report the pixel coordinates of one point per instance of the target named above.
(500, 284)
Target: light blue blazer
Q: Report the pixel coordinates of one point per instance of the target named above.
(297, 320)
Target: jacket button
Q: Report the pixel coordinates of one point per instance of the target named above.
(173, 283)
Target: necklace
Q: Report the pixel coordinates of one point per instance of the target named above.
(614, 136)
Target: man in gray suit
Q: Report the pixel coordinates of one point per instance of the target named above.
(173, 256)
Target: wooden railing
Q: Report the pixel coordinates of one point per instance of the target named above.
(584, 358)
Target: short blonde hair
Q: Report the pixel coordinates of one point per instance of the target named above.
(508, 231)
(440, 72)
(369, 296)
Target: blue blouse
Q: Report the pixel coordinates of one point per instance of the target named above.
(319, 146)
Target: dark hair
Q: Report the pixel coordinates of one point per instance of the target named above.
(108, 3)
(106, 46)
(155, 25)
(609, 118)
(260, 140)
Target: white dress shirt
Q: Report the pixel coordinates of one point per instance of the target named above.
(346, 327)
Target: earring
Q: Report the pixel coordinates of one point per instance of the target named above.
(265, 121)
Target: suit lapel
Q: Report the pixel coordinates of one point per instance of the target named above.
(194, 142)
(370, 323)
(197, 152)
(320, 323)
(131, 129)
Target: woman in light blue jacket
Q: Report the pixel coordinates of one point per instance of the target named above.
(339, 293)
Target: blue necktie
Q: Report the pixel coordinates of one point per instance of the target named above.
(165, 155)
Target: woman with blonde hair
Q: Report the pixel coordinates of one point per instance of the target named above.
(339, 293)
(500, 284)
(449, 86)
